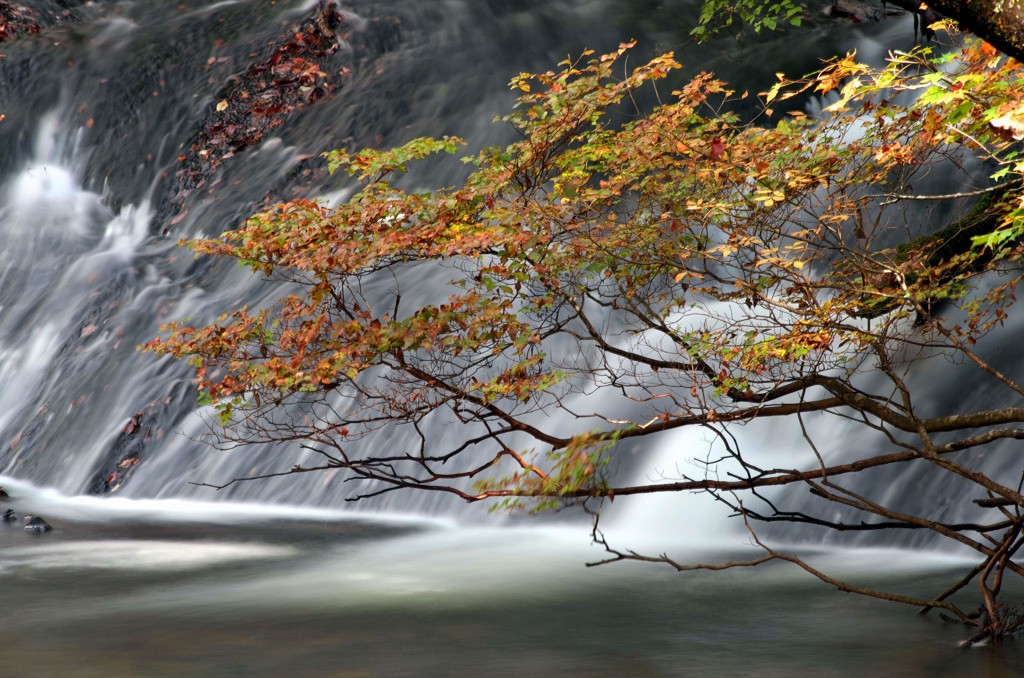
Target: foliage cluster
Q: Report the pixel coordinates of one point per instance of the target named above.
(719, 15)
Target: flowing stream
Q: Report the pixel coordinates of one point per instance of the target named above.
(148, 574)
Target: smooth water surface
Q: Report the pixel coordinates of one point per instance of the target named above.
(170, 588)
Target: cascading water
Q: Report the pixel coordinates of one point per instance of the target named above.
(91, 270)
(95, 112)
(83, 286)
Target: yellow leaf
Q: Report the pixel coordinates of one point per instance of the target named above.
(221, 105)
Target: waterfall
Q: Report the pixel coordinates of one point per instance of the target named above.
(100, 108)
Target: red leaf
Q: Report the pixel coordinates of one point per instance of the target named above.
(717, 148)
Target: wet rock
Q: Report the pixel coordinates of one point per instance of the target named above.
(3, 495)
(8, 516)
(36, 524)
(128, 450)
(299, 73)
(927, 18)
(128, 447)
(17, 20)
(858, 12)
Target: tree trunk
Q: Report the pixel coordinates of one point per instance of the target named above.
(999, 22)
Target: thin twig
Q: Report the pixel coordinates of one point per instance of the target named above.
(896, 197)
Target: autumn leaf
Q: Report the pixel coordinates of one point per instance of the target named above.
(1010, 121)
(717, 148)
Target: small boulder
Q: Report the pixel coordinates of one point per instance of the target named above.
(857, 11)
(8, 516)
(36, 524)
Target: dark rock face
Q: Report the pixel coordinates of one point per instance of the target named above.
(16, 20)
(127, 450)
(301, 71)
(36, 524)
